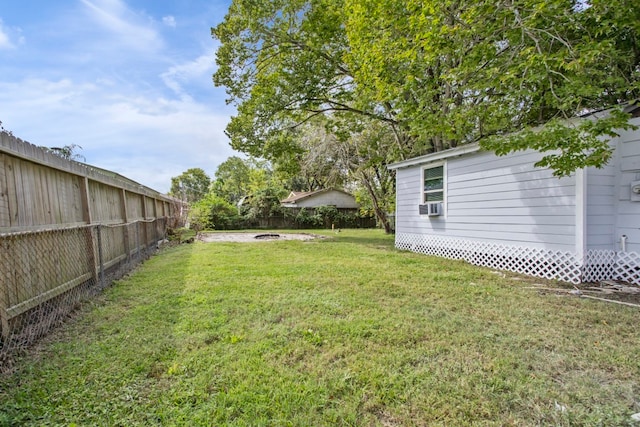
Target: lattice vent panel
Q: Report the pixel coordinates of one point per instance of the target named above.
(599, 265)
(627, 267)
(536, 262)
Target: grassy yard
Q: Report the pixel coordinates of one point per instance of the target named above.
(338, 331)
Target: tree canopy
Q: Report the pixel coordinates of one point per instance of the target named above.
(232, 179)
(426, 75)
(438, 73)
(458, 72)
(191, 185)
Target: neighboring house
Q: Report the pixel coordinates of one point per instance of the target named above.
(327, 197)
(505, 213)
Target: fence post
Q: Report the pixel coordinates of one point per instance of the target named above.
(100, 257)
(125, 220)
(138, 240)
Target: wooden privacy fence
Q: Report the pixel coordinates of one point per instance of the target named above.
(66, 230)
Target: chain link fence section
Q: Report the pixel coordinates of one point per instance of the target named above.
(46, 274)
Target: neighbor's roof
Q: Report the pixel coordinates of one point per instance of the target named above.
(294, 196)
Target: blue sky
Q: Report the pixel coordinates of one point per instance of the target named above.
(128, 80)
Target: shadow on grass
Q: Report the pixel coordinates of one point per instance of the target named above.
(127, 332)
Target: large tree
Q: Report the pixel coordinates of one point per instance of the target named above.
(282, 63)
(314, 162)
(232, 179)
(456, 72)
(434, 74)
(191, 185)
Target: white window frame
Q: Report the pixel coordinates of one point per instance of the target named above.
(444, 184)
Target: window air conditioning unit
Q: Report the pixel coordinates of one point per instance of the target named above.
(431, 209)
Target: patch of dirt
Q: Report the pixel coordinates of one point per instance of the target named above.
(254, 237)
(605, 290)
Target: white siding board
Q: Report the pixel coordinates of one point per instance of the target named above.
(601, 190)
(601, 217)
(525, 179)
(510, 171)
(629, 221)
(477, 162)
(529, 194)
(498, 199)
(537, 187)
(603, 200)
(522, 220)
(630, 163)
(602, 242)
(515, 229)
(629, 208)
(597, 220)
(532, 212)
(628, 211)
(464, 203)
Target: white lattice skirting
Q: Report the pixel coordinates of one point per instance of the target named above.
(548, 264)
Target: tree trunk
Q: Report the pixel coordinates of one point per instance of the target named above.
(380, 214)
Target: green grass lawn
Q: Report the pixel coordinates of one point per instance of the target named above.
(338, 331)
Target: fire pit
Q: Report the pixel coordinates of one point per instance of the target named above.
(267, 236)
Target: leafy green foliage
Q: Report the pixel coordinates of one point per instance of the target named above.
(571, 146)
(232, 179)
(190, 186)
(213, 212)
(459, 72)
(264, 203)
(436, 74)
(69, 152)
(281, 63)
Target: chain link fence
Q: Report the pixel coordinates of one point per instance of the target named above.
(46, 274)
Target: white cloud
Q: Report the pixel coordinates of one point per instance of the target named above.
(146, 138)
(99, 74)
(113, 16)
(199, 69)
(169, 21)
(5, 41)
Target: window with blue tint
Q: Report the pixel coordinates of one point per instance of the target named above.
(433, 184)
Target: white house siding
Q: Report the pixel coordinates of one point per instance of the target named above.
(504, 213)
(601, 207)
(627, 265)
(628, 210)
(329, 198)
(498, 199)
(500, 212)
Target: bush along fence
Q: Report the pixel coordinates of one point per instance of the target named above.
(67, 229)
(46, 274)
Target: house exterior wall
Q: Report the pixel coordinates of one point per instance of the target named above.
(503, 200)
(329, 198)
(628, 220)
(504, 213)
(601, 206)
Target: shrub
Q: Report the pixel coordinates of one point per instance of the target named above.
(214, 212)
